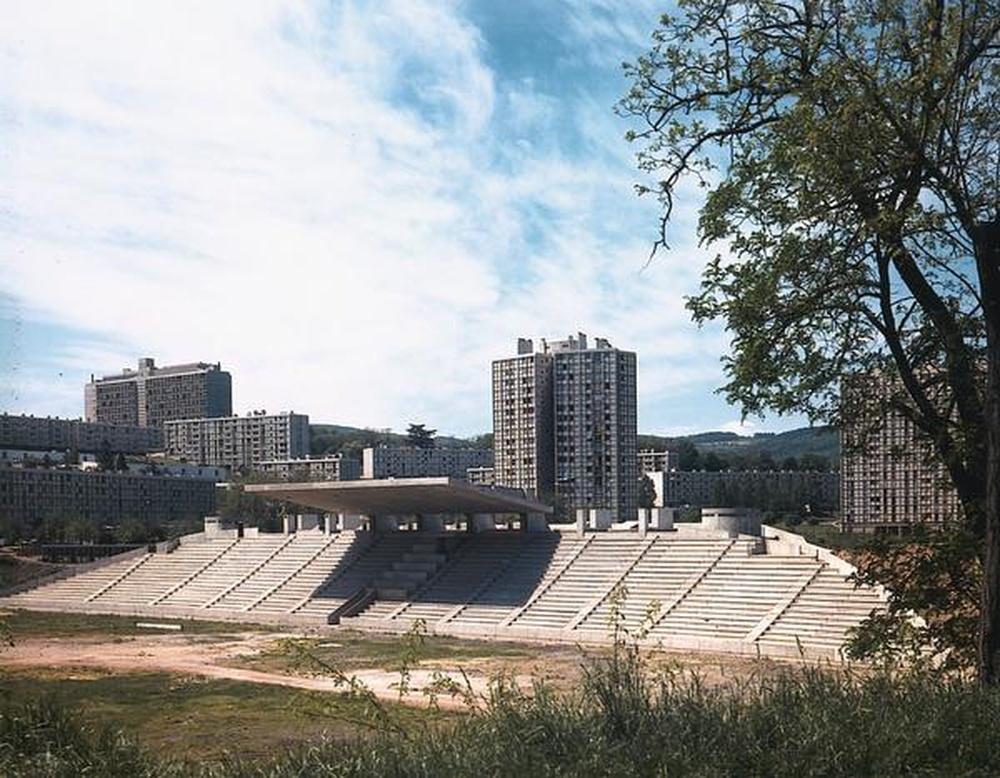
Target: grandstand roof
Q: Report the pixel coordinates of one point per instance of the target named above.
(400, 496)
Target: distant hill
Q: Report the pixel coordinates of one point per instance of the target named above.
(821, 442)
(331, 438)
(812, 442)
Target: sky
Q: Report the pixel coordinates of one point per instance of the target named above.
(354, 207)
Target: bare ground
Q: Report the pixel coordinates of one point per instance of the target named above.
(242, 657)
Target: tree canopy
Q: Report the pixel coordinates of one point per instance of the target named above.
(418, 436)
(850, 154)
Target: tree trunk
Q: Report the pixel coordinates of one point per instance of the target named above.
(988, 261)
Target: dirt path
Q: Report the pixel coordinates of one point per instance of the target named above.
(209, 657)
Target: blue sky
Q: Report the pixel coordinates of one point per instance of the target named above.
(354, 207)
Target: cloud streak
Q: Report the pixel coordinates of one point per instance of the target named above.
(353, 206)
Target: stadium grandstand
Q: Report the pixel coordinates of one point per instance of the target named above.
(477, 562)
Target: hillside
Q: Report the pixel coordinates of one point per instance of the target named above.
(818, 441)
(821, 442)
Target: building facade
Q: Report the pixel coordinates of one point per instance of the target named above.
(238, 442)
(30, 496)
(34, 433)
(783, 490)
(658, 461)
(150, 396)
(891, 478)
(334, 467)
(412, 462)
(564, 424)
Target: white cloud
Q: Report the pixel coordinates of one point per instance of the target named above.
(325, 199)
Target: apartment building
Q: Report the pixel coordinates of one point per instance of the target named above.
(658, 461)
(35, 433)
(29, 496)
(891, 478)
(238, 442)
(564, 424)
(334, 467)
(761, 489)
(412, 462)
(150, 396)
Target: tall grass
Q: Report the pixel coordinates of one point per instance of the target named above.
(625, 719)
(44, 739)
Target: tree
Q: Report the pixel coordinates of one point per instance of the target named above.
(647, 491)
(851, 156)
(688, 457)
(419, 437)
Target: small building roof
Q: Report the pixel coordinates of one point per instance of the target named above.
(400, 496)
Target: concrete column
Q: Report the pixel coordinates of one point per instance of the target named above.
(288, 524)
(663, 518)
(600, 518)
(581, 521)
(643, 514)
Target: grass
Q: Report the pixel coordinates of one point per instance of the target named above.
(621, 721)
(358, 651)
(36, 624)
(630, 713)
(197, 720)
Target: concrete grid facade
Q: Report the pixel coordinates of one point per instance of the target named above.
(151, 396)
(411, 462)
(821, 490)
(35, 433)
(238, 442)
(891, 479)
(334, 467)
(29, 496)
(564, 424)
(658, 461)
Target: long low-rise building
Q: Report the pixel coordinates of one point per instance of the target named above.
(334, 467)
(29, 496)
(765, 489)
(390, 462)
(35, 433)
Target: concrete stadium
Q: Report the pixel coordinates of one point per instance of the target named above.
(475, 562)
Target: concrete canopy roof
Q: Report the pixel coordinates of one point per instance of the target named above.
(399, 496)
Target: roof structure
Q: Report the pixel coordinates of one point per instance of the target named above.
(400, 496)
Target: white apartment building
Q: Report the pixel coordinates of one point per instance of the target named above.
(334, 467)
(658, 461)
(238, 442)
(564, 424)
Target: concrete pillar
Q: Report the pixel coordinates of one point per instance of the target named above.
(582, 519)
(288, 523)
(663, 518)
(600, 518)
(643, 515)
